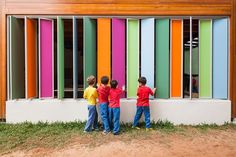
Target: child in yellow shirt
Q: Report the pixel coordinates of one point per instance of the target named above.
(91, 95)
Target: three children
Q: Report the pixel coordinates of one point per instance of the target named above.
(109, 104)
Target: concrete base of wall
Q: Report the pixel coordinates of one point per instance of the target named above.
(177, 111)
(234, 121)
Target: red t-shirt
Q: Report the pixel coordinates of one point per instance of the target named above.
(115, 97)
(103, 93)
(143, 95)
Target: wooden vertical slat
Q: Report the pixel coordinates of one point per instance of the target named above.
(1, 105)
(176, 58)
(3, 60)
(162, 58)
(46, 78)
(90, 62)
(8, 58)
(118, 51)
(75, 58)
(60, 57)
(147, 50)
(132, 57)
(205, 61)
(220, 58)
(31, 57)
(103, 48)
(17, 58)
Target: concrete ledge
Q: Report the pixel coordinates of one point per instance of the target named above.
(177, 111)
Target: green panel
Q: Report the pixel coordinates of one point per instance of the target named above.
(132, 57)
(90, 27)
(17, 58)
(205, 48)
(162, 58)
(60, 57)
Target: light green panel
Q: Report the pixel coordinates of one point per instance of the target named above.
(162, 58)
(60, 57)
(132, 57)
(205, 47)
(90, 35)
(17, 58)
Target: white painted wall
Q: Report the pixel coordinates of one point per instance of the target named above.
(178, 111)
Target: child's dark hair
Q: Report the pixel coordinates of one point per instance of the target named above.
(142, 80)
(114, 83)
(91, 80)
(104, 80)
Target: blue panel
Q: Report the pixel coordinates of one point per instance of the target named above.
(220, 58)
(75, 58)
(147, 50)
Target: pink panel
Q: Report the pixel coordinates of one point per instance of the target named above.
(46, 58)
(118, 51)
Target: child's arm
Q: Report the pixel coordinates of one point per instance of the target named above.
(121, 90)
(138, 92)
(154, 90)
(85, 94)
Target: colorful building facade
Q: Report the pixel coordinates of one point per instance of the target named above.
(184, 48)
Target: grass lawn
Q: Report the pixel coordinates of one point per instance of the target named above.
(27, 136)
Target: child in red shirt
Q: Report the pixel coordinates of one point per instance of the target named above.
(114, 107)
(143, 103)
(103, 93)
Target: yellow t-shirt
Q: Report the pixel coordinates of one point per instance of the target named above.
(90, 93)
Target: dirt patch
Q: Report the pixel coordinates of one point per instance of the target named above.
(191, 142)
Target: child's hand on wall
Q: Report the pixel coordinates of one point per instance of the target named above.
(123, 88)
(154, 90)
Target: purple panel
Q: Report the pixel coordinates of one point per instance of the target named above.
(46, 60)
(118, 51)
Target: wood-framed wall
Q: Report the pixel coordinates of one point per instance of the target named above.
(117, 7)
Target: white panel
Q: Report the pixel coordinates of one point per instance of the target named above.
(147, 50)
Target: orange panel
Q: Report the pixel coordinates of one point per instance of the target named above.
(31, 58)
(103, 48)
(176, 58)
